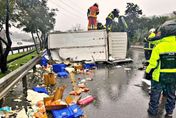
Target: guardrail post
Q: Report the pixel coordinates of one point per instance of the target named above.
(24, 81)
(34, 68)
(18, 50)
(12, 51)
(1, 102)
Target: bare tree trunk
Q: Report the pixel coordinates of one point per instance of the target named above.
(3, 60)
(35, 43)
(1, 48)
(41, 47)
(44, 40)
(1, 53)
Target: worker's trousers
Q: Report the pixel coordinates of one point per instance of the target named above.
(92, 23)
(108, 24)
(156, 89)
(147, 54)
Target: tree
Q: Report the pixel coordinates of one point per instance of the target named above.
(35, 17)
(133, 11)
(174, 12)
(47, 21)
(6, 11)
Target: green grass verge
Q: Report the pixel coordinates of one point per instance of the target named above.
(16, 55)
(17, 63)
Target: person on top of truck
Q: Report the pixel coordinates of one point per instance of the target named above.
(92, 13)
(110, 18)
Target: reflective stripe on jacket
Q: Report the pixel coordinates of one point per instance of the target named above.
(166, 46)
(111, 16)
(148, 45)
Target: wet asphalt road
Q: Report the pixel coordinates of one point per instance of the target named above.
(118, 91)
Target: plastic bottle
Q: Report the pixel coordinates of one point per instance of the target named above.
(86, 100)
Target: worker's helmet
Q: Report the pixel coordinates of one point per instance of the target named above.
(116, 10)
(168, 28)
(95, 5)
(152, 30)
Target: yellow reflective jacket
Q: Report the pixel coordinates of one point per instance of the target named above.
(167, 45)
(111, 16)
(148, 45)
(152, 35)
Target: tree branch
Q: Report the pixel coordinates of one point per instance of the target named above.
(1, 39)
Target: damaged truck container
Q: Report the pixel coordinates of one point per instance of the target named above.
(96, 45)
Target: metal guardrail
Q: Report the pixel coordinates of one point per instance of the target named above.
(28, 47)
(8, 81)
(22, 47)
(18, 48)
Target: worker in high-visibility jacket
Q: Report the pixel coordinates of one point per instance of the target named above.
(92, 13)
(148, 46)
(150, 42)
(110, 18)
(162, 68)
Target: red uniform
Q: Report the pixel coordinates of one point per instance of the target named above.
(92, 17)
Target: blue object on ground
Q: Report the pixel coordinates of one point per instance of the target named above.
(89, 65)
(77, 111)
(40, 90)
(7, 109)
(73, 111)
(43, 61)
(62, 113)
(62, 74)
(59, 68)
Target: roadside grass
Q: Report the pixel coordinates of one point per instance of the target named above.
(16, 55)
(17, 63)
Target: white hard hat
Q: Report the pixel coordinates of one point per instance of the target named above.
(117, 10)
(152, 30)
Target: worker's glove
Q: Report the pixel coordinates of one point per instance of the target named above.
(148, 76)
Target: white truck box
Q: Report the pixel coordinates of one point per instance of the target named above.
(88, 45)
(118, 44)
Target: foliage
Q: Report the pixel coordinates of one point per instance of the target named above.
(6, 8)
(31, 15)
(34, 15)
(138, 26)
(133, 11)
(3, 11)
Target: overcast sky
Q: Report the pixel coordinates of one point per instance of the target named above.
(72, 12)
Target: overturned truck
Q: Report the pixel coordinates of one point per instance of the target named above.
(96, 45)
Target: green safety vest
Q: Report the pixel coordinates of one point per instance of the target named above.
(163, 60)
(111, 16)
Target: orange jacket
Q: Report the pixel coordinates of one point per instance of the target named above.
(93, 11)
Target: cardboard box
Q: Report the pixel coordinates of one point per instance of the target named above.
(51, 106)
